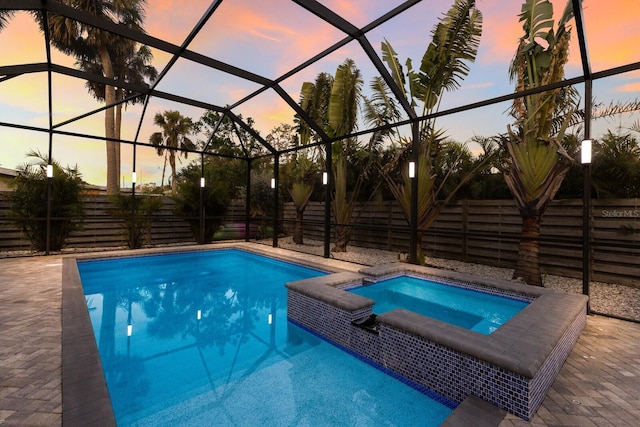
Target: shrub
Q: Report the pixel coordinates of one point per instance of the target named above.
(137, 214)
(215, 198)
(29, 203)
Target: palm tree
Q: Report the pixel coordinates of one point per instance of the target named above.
(537, 163)
(455, 41)
(175, 129)
(5, 16)
(131, 64)
(79, 39)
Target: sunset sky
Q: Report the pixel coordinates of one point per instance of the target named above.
(272, 39)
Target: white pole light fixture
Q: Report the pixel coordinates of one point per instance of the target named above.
(129, 330)
(202, 182)
(585, 151)
(49, 171)
(325, 178)
(199, 315)
(134, 177)
(273, 183)
(412, 169)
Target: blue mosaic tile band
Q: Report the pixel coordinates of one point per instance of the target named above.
(422, 389)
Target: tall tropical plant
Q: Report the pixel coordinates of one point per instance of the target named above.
(5, 16)
(174, 136)
(79, 39)
(301, 190)
(455, 42)
(537, 162)
(333, 103)
(132, 64)
(342, 114)
(314, 100)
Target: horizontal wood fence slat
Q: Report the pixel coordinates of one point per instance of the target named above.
(479, 231)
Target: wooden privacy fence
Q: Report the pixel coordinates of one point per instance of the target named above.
(488, 232)
(101, 230)
(484, 232)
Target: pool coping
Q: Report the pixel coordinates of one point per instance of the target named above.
(85, 396)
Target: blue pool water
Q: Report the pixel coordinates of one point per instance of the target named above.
(203, 339)
(470, 309)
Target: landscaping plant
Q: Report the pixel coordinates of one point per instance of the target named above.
(137, 215)
(29, 203)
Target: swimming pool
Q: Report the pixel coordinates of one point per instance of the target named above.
(193, 337)
(477, 311)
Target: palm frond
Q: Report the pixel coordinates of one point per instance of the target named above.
(390, 57)
(455, 42)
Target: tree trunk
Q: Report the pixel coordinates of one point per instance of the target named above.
(343, 235)
(297, 230)
(113, 183)
(118, 131)
(419, 251)
(172, 163)
(164, 169)
(528, 265)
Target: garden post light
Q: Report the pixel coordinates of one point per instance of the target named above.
(585, 157)
(328, 161)
(49, 195)
(202, 210)
(413, 221)
(276, 174)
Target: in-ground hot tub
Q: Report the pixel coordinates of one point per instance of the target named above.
(512, 368)
(472, 309)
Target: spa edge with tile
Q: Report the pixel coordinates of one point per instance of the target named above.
(512, 368)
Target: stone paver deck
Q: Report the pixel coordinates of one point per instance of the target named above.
(599, 384)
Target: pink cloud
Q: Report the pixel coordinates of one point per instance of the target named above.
(629, 87)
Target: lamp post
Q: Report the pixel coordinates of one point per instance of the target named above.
(274, 186)
(202, 208)
(413, 216)
(49, 191)
(585, 157)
